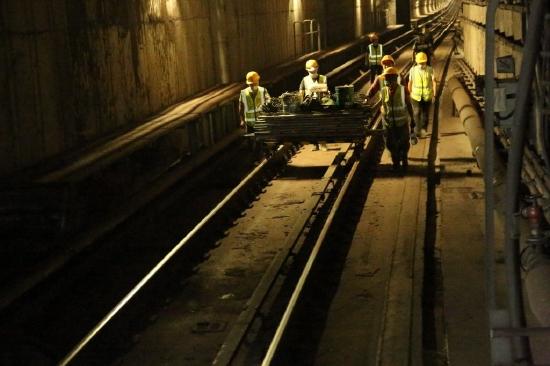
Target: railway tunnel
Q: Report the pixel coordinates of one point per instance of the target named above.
(140, 226)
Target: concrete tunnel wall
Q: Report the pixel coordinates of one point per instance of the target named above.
(75, 71)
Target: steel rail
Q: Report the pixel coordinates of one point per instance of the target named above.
(277, 338)
(190, 235)
(264, 289)
(311, 260)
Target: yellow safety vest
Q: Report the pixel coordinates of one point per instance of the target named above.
(252, 103)
(394, 107)
(375, 54)
(422, 86)
(308, 83)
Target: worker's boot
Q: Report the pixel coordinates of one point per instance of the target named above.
(405, 164)
(395, 162)
(413, 138)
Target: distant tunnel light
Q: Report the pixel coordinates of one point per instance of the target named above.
(296, 9)
(172, 8)
(358, 18)
(157, 7)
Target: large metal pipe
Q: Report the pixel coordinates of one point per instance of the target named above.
(515, 157)
(473, 127)
(489, 171)
(535, 264)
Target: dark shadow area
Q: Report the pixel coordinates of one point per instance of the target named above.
(301, 341)
(459, 160)
(446, 134)
(308, 172)
(433, 337)
(456, 175)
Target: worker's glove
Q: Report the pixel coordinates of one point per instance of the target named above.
(413, 138)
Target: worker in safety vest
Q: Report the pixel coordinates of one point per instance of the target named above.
(387, 61)
(251, 100)
(311, 82)
(397, 114)
(375, 51)
(422, 86)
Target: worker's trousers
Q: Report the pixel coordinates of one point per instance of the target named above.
(397, 142)
(256, 148)
(421, 112)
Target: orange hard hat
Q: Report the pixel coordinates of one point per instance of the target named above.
(387, 59)
(252, 77)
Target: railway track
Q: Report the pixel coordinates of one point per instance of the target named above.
(275, 245)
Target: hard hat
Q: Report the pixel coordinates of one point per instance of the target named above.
(387, 58)
(311, 65)
(252, 77)
(373, 36)
(390, 71)
(421, 57)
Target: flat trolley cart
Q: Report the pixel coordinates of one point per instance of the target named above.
(348, 125)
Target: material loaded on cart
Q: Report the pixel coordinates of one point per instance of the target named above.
(289, 118)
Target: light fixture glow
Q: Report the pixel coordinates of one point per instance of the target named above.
(358, 18)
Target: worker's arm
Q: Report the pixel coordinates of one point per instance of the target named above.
(373, 89)
(241, 110)
(302, 89)
(410, 108)
(434, 87)
(412, 134)
(410, 84)
(241, 113)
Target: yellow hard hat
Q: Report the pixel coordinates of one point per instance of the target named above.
(311, 65)
(252, 77)
(421, 57)
(387, 58)
(373, 36)
(390, 71)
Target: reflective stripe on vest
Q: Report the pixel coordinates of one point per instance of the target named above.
(422, 86)
(375, 54)
(252, 106)
(309, 83)
(394, 107)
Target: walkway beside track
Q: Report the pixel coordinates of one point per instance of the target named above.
(404, 227)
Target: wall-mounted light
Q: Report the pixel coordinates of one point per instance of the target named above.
(358, 18)
(296, 9)
(173, 8)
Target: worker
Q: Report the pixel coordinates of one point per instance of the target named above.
(311, 82)
(375, 51)
(397, 114)
(424, 43)
(387, 61)
(251, 100)
(422, 87)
